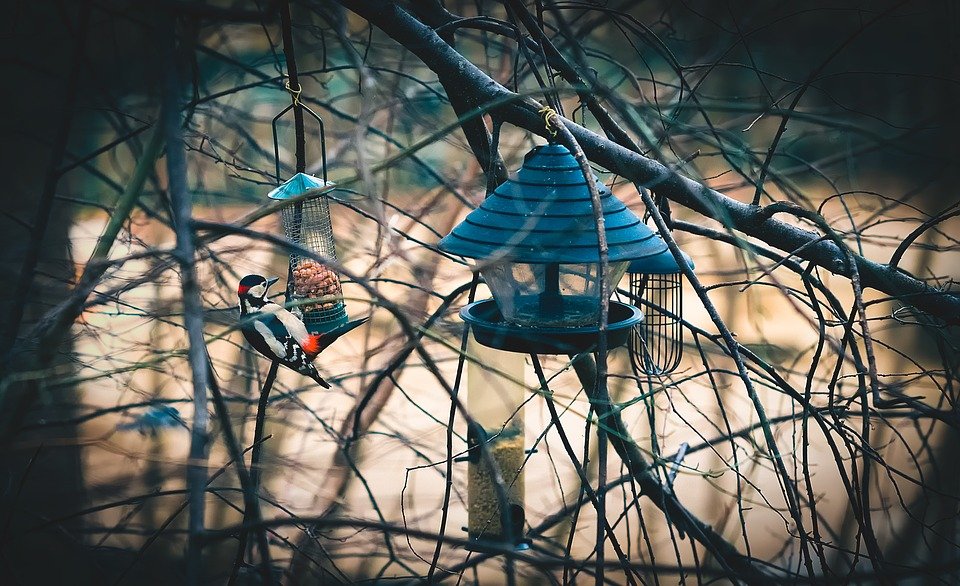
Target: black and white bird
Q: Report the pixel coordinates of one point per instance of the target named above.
(279, 334)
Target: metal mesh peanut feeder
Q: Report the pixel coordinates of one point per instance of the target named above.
(307, 222)
(656, 345)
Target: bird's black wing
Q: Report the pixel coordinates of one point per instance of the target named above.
(256, 339)
(293, 355)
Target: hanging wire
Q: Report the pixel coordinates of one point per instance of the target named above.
(299, 106)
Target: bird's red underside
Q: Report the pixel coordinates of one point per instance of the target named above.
(312, 345)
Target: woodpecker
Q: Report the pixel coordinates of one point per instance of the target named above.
(280, 335)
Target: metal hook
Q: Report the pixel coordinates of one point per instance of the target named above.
(276, 139)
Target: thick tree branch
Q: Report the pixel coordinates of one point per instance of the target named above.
(480, 141)
(461, 77)
(180, 201)
(662, 496)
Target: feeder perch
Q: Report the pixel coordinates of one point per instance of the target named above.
(656, 282)
(307, 222)
(534, 240)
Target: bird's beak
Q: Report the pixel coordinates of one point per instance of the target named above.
(271, 281)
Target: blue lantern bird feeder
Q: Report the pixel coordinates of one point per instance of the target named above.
(535, 242)
(656, 282)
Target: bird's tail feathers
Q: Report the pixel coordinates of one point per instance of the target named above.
(311, 371)
(327, 338)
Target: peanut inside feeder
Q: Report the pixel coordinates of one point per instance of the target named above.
(313, 280)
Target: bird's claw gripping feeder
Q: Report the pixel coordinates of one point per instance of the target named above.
(306, 221)
(534, 239)
(656, 283)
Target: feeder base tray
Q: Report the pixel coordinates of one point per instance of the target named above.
(493, 546)
(491, 330)
(323, 320)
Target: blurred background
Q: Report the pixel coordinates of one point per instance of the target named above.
(93, 485)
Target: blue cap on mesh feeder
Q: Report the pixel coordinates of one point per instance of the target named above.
(300, 184)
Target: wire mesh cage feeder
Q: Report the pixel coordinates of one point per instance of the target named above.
(656, 283)
(496, 399)
(306, 221)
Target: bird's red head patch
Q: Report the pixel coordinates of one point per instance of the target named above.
(249, 282)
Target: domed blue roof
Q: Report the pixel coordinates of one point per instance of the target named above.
(544, 215)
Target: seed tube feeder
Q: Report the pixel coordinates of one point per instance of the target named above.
(656, 282)
(534, 240)
(307, 222)
(495, 399)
